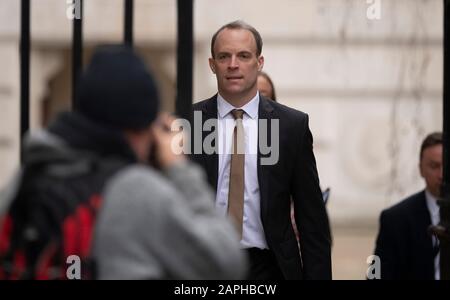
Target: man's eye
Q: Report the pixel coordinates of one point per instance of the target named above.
(245, 55)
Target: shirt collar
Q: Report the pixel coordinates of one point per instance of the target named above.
(251, 108)
(432, 205)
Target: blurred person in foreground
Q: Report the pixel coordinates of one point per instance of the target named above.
(257, 195)
(151, 224)
(404, 246)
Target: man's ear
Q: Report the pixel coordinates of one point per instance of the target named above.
(211, 65)
(260, 63)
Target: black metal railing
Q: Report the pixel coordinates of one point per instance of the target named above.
(185, 51)
(445, 202)
(77, 49)
(24, 70)
(184, 55)
(128, 30)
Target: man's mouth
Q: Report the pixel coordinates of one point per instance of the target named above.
(234, 77)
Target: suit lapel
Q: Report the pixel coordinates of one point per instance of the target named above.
(265, 112)
(211, 160)
(422, 223)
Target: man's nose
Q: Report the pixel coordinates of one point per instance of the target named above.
(233, 62)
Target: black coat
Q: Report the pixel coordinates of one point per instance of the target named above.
(403, 244)
(294, 177)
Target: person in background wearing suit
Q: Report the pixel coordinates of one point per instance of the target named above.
(255, 194)
(405, 248)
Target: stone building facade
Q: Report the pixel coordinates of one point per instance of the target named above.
(368, 72)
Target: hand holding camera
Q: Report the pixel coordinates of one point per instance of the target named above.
(166, 151)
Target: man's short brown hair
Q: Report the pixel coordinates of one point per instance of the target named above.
(239, 25)
(431, 140)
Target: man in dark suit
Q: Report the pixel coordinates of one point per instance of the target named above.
(262, 157)
(404, 246)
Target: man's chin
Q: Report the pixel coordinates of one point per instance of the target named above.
(437, 194)
(233, 91)
(233, 86)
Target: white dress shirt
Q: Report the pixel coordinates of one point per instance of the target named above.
(433, 208)
(252, 231)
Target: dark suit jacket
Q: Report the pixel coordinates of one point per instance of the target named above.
(403, 244)
(295, 175)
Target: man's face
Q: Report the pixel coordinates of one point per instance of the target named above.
(431, 169)
(236, 64)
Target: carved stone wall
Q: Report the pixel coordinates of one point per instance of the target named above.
(372, 87)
